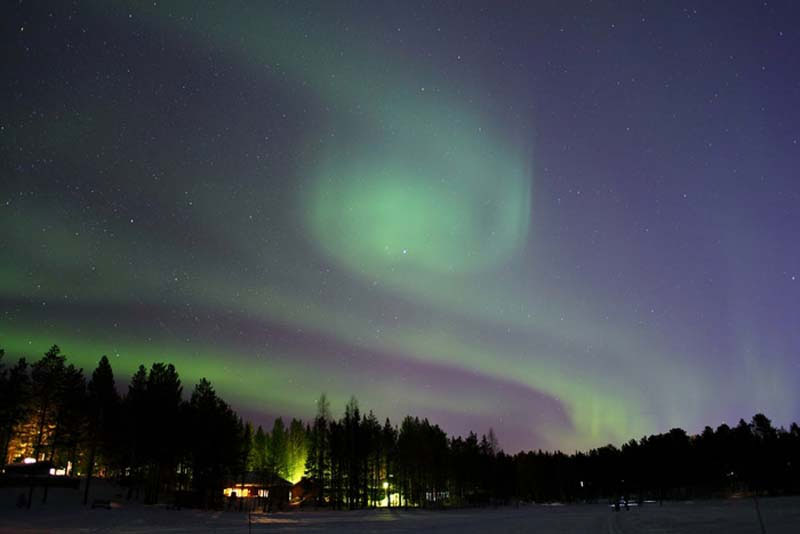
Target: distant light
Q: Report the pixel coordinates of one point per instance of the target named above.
(29, 461)
(385, 485)
(581, 483)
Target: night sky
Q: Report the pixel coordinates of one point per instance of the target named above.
(573, 222)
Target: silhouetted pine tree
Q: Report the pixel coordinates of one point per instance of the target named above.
(14, 399)
(297, 450)
(215, 452)
(102, 413)
(135, 431)
(46, 378)
(318, 464)
(163, 432)
(278, 449)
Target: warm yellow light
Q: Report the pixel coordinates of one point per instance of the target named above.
(385, 485)
(392, 499)
(239, 492)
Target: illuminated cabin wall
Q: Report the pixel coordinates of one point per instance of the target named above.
(247, 491)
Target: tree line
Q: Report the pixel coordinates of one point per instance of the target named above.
(150, 439)
(157, 443)
(351, 459)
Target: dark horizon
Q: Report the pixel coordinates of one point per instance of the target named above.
(168, 442)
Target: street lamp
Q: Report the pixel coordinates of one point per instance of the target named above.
(386, 490)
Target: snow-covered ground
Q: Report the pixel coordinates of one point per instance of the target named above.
(780, 516)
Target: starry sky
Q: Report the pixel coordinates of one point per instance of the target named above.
(574, 222)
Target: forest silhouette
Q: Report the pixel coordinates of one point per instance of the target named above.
(158, 443)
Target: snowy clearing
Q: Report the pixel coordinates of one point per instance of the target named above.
(780, 515)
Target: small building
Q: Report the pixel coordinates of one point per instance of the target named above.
(38, 474)
(30, 468)
(256, 490)
(305, 491)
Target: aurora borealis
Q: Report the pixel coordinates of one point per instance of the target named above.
(575, 224)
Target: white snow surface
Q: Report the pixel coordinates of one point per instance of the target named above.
(64, 513)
